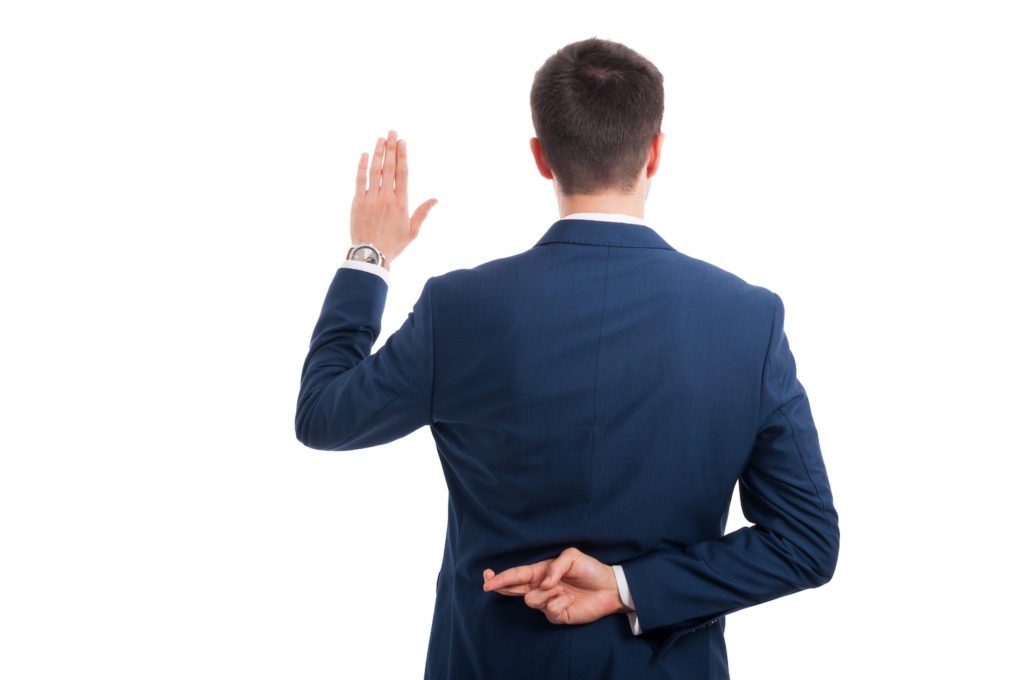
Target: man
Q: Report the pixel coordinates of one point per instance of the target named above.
(594, 400)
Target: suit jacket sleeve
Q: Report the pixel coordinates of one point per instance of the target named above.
(784, 490)
(349, 398)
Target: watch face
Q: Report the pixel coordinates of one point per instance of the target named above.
(365, 254)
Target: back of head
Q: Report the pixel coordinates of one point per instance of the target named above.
(597, 105)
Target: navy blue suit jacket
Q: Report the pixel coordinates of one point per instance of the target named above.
(600, 390)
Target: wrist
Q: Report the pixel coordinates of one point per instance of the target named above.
(369, 253)
(623, 599)
(619, 607)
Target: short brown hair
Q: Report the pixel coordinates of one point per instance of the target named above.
(597, 106)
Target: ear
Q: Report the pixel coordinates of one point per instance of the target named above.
(538, 157)
(654, 157)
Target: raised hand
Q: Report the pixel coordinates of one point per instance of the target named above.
(573, 588)
(380, 208)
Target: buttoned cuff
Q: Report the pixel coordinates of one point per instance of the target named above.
(627, 598)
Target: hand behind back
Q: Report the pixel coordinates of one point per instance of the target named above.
(573, 588)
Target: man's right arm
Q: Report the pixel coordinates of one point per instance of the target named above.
(784, 490)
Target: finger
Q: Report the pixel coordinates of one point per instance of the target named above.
(559, 566)
(517, 590)
(401, 170)
(421, 214)
(515, 576)
(388, 176)
(557, 609)
(361, 174)
(375, 168)
(539, 596)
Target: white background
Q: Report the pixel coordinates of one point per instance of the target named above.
(176, 180)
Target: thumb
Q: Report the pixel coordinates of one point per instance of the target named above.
(420, 214)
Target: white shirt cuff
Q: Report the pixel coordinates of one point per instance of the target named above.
(627, 598)
(367, 267)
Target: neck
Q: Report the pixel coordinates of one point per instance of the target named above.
(623, 204)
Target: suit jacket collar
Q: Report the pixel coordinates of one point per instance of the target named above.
(603, 233)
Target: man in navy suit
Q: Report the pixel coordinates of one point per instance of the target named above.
(595, 399)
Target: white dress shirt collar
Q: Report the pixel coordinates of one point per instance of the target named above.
(606, 217)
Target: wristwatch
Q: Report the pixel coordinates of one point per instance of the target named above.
(366, 252)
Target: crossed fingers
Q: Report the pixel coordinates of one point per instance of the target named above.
(538, 583)
(522, 579)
